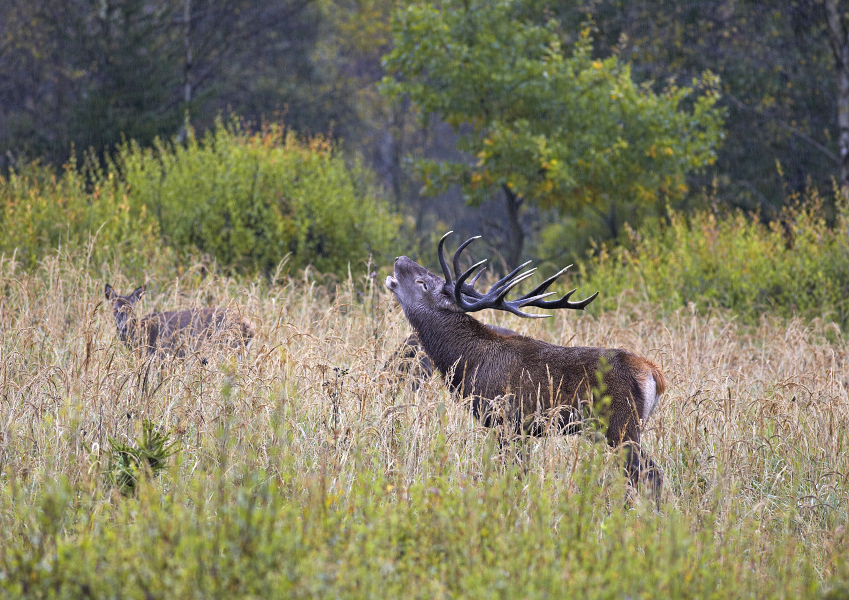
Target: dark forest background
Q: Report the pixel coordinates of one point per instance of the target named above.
(83, 74)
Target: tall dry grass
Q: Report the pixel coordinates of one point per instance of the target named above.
(753, 426)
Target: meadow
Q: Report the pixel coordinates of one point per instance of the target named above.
(305, 468)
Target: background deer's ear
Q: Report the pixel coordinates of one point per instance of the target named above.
(137, 294)
(110, 293)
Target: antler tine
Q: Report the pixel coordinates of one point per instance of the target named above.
(444, 263)
(459, 250)
(476, 277)
(544, 285)
(461, 281)
(535, 297)
(509, 277)
(563, 302)
(468, 289)
(502, 291)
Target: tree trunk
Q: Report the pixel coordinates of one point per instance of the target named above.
(187, 41)
(610, 219)
(395, 155)
(515, 234)
(837, 36)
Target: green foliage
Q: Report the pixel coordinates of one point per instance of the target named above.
(127, 463)
(248, 200)
(795, 266)
(551, 124)
(779, 82)
(291, 535)
(82, 207)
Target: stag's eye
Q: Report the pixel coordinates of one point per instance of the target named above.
(422, 283)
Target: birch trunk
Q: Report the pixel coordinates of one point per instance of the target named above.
(837, 35)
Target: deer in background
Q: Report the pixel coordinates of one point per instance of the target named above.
(546, 389)
(177, 332)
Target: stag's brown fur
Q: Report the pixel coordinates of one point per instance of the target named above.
(546, 388)
(177, 332)
(412, 360)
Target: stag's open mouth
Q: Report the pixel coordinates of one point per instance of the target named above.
(391, 282)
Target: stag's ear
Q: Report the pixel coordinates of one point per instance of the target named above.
(136, 295)
(110, 293)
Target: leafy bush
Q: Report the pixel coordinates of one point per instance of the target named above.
(248, 200)
(245, 199)
(796, 266)
(41, 211)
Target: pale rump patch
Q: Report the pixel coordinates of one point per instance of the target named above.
(651, 381)
(650, 397)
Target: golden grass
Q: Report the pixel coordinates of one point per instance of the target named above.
(753, 423)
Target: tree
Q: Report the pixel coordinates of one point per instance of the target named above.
(838, 36)
(779, 85)
(90, 72)
(542, 124)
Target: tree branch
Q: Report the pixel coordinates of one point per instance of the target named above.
(789, 128)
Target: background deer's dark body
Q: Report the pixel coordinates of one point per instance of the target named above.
(177, 332)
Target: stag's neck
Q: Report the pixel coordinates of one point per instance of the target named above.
(455, 342)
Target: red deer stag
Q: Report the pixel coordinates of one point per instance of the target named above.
(546, 388)
(176, 332)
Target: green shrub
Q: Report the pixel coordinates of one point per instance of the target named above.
(148, 454)
(41, 212)
(795, 266)
(248, 200)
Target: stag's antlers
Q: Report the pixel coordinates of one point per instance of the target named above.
(495, 297)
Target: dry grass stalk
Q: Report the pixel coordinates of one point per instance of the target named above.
(754, 420)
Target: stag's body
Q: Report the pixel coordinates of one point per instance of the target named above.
(550, 387)
(527, 384)
(177, 333)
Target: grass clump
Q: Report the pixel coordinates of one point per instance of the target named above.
(128, 462)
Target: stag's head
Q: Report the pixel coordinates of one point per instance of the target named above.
(122, 308)
(417, 289)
